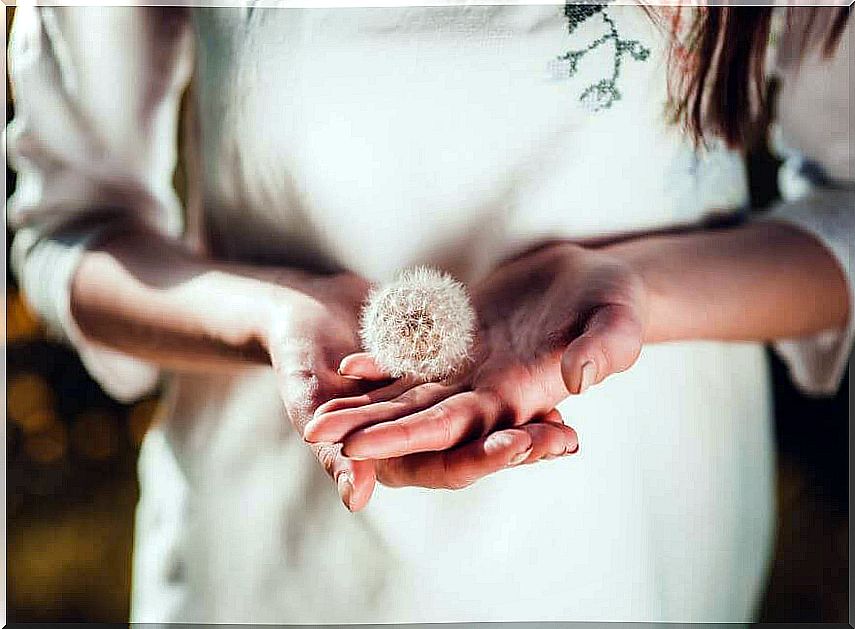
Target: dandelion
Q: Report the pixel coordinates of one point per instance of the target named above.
(421, 324)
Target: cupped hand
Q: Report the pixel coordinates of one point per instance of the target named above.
(309, 332)
(459, 467)
(551, 322)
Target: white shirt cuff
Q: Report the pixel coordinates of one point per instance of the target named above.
(47, 268)
(818, 362)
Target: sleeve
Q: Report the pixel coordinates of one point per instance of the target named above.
(93, 140)
(813, 135)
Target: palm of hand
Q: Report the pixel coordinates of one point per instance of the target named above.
(309, 336)
(534, 308)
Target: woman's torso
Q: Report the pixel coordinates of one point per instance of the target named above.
(374, 139)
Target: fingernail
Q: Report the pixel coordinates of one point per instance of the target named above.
(589, 375)
(309, 427)
(344, 481)
(519, 458)
(571, 449)
(496, 442)
(345, 452)
(348, 376)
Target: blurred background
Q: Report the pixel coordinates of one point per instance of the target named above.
(72, 488)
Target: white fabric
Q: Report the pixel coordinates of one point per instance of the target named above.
(817, 183)
(375, 139)
(93, 138)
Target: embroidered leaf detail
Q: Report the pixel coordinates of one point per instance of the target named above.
(600, 95)
(572, 58)
(578, 13)
(603, 93)
(634, 48)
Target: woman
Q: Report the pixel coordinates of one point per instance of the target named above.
(527, 150)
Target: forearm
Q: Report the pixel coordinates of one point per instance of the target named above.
(149, 296)
(755, 283)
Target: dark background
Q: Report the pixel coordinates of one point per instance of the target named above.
(72, 487)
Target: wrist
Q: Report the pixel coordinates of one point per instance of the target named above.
(280, 300)
(260, 305)
(656, 302)
(238, 307)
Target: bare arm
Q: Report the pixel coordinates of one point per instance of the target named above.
(564, 317)
(149, 296)
(107, 147)
(756, 283)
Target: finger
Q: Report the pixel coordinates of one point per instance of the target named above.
(336, 419)
(610, 344)
(550, 440)
(354, 480)
(362, 365)
(311, 432)
(553, 417)
(305, 382)
(442, 426)
(460, 467)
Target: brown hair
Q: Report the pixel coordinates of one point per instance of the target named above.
(717, 68)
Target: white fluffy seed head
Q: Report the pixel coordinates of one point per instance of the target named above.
(421, 324)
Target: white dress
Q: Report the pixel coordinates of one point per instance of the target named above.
(374, 139)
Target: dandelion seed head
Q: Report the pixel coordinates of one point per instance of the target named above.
(420, 324)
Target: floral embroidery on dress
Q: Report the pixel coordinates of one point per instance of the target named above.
(603, 93)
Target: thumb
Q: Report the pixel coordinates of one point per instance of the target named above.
(361, 365)
(610, 344)
(354, 480)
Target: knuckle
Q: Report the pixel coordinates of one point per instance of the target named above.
(413, 396)
(430, 388)
(436, 391)
(389, 473)
(444, 423)
(605, 356)
(326, 455)
(405, 399)
(497, 408)
(442, 414)
(491, 397)
(406, 434)
(451, 477)
(586, 345)
(416, 395)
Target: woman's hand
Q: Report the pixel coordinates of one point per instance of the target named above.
(311, 334)
(564, 317)
(307, 334)
(148, 296)
(553, 321)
